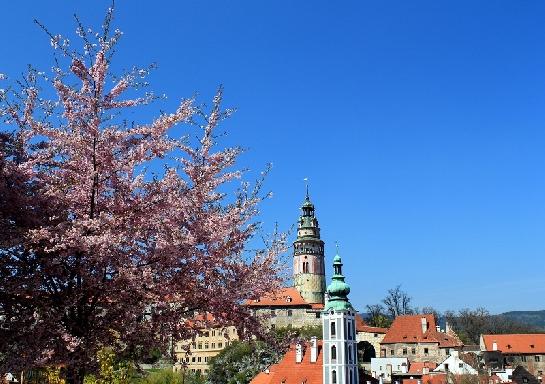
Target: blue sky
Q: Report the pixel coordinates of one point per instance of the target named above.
(420, 125)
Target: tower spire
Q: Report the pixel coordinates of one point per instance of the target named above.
(338, 290)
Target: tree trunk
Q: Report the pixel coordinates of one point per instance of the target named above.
(74, 374)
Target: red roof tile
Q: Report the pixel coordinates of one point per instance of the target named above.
(516, 343)
(286, 297)
(440, 378)
(289, 372)
(408, 329)
(417, 368)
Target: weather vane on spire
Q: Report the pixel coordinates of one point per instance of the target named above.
(306, 183)
(337, 246)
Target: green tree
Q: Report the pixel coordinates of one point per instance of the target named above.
(241, 361)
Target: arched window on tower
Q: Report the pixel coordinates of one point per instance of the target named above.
(333, 328)
(334, 377)
(333, 353)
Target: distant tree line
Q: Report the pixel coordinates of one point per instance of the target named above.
(468, 324)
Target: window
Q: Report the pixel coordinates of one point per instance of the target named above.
(413, 351)
(426, 351)
(199, 346)
(213, 333)
(290, 312)
(461, 365)
(198, 359)
(206, 359)
(404, 351)
(349, 354)
(375, 335)
(349, 330)
(193, 359)
(537, 359)
(273, 313)
(213, 345)
(524, 379)
(220, 345)
(333, 353)
(332, 328)
(523, 358)
(317, 315)
(334, 377)
(446, 367)
(392, 352)
(206, 345)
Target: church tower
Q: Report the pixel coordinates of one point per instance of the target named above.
(308, 256)
(339, 332)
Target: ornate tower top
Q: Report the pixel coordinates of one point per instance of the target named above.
(338, 290)
(308, 256)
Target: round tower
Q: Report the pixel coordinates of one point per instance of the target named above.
(308, 256)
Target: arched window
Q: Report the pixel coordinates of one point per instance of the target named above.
(349, 330)
(332, 328)
(350, 356)
(333, 353)
(351, 376)
(334, 377)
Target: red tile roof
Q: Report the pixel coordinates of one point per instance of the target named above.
(408, 329)
(417, 368)
(289, 372)
(440, 378)
(361, 326)
(286, 297)
(516, 343)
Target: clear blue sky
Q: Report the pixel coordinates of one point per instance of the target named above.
(421, 125)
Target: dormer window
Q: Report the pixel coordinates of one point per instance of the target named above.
(289, 299)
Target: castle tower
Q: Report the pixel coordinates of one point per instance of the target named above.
(339, 332)
(308, 256)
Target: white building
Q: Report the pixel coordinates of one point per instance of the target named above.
(453, 364)
(385, 367)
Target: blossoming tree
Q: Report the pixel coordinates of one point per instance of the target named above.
(97, 250)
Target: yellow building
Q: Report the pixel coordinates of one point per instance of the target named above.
(197, 353)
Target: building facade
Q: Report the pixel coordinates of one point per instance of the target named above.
(418, 338)
(194, 355)
(514, 350)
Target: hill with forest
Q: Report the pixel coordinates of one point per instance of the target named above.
(533, 318)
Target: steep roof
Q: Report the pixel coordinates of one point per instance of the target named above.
(287, 371)
(361, 326)
(516, 343)
(440, 378)
(408, 329)
(417, 368)
(286, 297)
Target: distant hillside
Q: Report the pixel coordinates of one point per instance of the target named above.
(534, 318)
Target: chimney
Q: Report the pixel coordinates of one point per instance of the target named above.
(494, 346)
(424, 322)
(298, 353)
(313, 349)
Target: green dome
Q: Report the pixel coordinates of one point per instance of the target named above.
(338, 290)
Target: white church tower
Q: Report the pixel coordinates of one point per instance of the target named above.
(339, 332)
